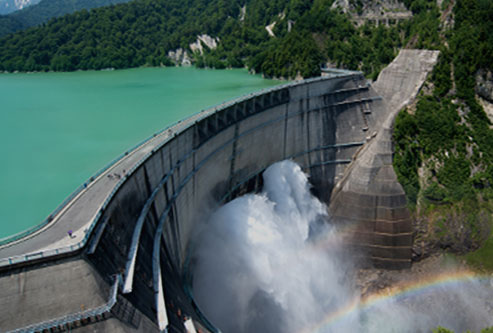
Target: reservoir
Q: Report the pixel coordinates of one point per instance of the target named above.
(58, 129)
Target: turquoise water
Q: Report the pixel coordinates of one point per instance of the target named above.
(57, 129)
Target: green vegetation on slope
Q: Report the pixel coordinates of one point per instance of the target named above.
(142, 32)
(441, 329)
(481, 258)
(444, 148)
(9, 6)
(46, 9)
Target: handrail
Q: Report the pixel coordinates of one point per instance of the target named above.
(71, 318)
(174, 128)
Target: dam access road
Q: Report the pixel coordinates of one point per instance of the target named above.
(127, 267)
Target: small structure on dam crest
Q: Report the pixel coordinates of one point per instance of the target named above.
(130, 270)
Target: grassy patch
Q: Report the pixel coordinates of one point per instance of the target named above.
(482, 258)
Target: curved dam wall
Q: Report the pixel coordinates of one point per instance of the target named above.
(144, 233)
(130, 269)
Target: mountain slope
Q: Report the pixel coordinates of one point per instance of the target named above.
(9, 6)
(46, 9)
(304, 35)
(444, 143)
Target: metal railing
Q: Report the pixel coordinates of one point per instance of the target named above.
(173, 129)
(74, 317)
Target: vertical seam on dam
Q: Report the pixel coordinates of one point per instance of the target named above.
(285, 131)
(233, 154)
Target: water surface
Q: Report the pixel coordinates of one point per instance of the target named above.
(58, 129)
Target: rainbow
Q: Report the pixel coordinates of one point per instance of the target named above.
(414, 288)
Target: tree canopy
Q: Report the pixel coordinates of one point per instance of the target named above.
(142, 32)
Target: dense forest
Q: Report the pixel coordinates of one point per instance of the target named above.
(142, 32)
(46, 9)
(444, 144)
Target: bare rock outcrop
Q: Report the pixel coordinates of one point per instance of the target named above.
(484, 84)
(180, 57)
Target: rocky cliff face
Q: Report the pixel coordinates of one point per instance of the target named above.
(204, 40)
(484, 89)
(182, 57)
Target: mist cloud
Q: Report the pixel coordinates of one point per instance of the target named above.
(272, 262)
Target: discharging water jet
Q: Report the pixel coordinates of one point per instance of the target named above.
(259, 267)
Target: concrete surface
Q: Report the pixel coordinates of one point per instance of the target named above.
(369, 199)
(31, 296)
(318, 123)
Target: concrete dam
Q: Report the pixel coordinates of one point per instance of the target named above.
(130, 272)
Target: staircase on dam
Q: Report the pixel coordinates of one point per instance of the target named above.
(132, 271)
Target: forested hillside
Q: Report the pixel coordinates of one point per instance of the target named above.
(140, 33)
(444, 143)
(46, 9)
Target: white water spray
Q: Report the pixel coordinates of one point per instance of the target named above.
(271, 262)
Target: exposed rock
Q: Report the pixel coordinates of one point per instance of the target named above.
(484, 84)
(372, 280)
(488, 108)
(206, 40)
(271, 26)
(19, 4)
(242, 13)
(269, 29)
(180, 57)
(484, 89)
(342, 4)
(290, 25)
(447, 17)
(209, 41)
